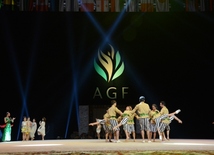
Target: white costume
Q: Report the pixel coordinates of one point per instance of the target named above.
(41, 129)
(33, 129)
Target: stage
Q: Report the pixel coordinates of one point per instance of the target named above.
(94, 146)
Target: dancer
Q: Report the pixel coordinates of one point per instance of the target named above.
(124, 119)
(106, 126)
(166, 123)
(162, 116)
(24, 129)
(28, 128)
(33, 129)
(167, 129)
(112, 111)
(7, 129)
(153, 127)
(143, 110)
(41, 129)
(98, 130)
(130, 125)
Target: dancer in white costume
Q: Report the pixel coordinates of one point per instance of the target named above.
(41, 129)
(33, 129)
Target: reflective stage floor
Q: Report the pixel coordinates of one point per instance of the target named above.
(85, 146)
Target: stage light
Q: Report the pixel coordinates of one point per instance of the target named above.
(21, 90)
(69, 115)
(96, 24)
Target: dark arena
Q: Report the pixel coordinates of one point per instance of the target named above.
(115, 77)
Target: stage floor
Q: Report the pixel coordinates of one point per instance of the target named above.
(100, 145)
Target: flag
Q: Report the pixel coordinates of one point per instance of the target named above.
(43, 5)
(0, 4)
(87, 5)
(75, 7)
(102, 5)
(202, 5)
(61, 5)
(68, 5)
(36, 5)
(54, 5)
(21, 5)
(147, 5)
(31, 5)
(132, 5)
(117, 5)
(177, 6)
(191, 5)
(211, 5)
(162, 5)
(72, 5)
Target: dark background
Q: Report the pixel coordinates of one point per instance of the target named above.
(47, 66)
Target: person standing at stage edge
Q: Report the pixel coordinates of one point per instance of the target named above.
(112, 111)
(7, 129)
(143, 111)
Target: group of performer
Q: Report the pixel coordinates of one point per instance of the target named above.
(151, 121)
(28, 128)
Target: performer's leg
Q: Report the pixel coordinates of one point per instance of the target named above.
(114, 123)
(23, 136)
(27, 136)
(176, 112)
(167, 133)
(127, 135)
(134, 135)
(117, 133)
(106, 136)
(110, 136)
(162, 128)
(126, 130)
(141, 122)
(147, 126)
(43, 137)
(98, 121)
(94, 123)
(117, 126)
(98, 135)
(123, 122)
(150, 133)
(164, 136)
(168, 130)
(154, 136)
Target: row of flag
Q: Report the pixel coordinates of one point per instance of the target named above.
(108, 5)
